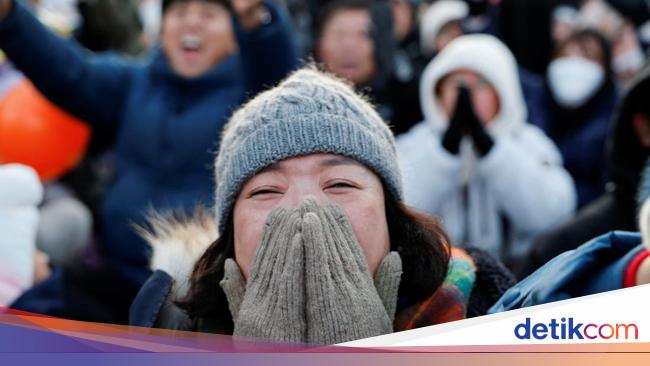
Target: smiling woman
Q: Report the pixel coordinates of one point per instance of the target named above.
(314, 243)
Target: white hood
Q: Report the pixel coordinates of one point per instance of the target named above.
(436, 16)
(489, 57)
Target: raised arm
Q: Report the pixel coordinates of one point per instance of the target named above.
(91, 88)
(267, 46)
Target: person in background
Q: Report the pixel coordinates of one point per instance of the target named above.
(627, 148)
(351, 43)
(21, 264)
(578, 106)
(409, 62)
(495, 181)
(440, 24)
(167, 111)
(615, 260)
(627, 56)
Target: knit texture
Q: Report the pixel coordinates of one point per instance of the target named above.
(309, 112)
(449, 302)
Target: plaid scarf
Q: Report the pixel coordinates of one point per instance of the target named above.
(448, 302)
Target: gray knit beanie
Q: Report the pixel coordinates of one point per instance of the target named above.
(309, 112)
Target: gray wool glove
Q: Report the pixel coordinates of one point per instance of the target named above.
(272, 305)
(343, 303)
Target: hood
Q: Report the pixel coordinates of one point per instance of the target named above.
(177, 242)
(436, 17)
(489, 57)
(626, 157)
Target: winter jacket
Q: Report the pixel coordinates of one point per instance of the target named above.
(616, 209)
(475, 281)
(500, 201)
(168, 126)
(580, 134)
(597, 266)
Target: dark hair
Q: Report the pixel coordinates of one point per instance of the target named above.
(419, 238)
(328, 11)
(167, 3)
(581, 37)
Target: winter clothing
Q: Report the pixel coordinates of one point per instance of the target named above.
(20, 194)
(435, 17)
(272, 305)
(287, 295)
(497, 202)
(364, 308)
(307, 256)
(617, 208)
(597, 266)
(449, 302)
(473, 283)
(306, 113)
(580, 134)
(167, 125)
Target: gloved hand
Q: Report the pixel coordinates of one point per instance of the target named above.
(465, 122)
(272, 305)
(457, 126)
(343, 303)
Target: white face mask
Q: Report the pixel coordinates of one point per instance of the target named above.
(573, 80)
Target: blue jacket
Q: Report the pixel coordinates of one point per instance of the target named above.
(168, 127)
(596, 266)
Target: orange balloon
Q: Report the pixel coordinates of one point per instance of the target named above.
(35, 132)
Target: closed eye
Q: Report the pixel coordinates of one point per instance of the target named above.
(340, 185)
(264, 192)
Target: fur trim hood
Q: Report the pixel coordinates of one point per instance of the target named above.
(177, 242)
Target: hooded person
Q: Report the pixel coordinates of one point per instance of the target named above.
(312, 241)
(494, 180)
(440, 23)
(627, 149)
(167, 111)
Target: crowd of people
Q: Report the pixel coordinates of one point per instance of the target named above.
(323, 171)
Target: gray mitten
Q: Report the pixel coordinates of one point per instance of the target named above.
(342, 301)
(272, 305)
(387, 281)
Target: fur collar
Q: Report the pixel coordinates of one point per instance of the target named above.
(177, 242)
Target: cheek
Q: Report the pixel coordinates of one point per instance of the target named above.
(486, 105)
(369, 224)
(249, 224)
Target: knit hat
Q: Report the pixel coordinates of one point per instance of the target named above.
(309, 112)
(167, 3)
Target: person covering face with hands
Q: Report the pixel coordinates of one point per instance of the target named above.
(493, 179)
(314, 243)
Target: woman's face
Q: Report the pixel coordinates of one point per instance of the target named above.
(346, 48)
(326, 177)
(485, 99)
(196, 35)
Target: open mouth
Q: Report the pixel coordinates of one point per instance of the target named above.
(191, 45)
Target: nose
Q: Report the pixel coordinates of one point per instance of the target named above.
(301, 194)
